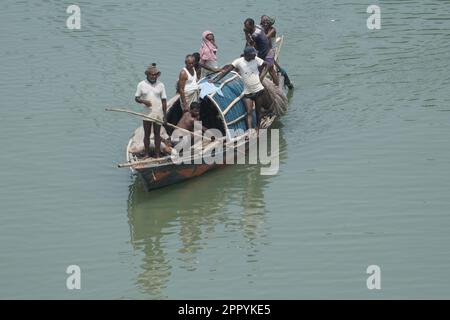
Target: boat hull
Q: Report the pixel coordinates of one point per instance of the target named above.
(158, 177)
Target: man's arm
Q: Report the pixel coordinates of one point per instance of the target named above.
(138, 95)
(204, 66)
(248, 37)
(225, 70)
(179, 123)
(146, 102)
(192, 127)
(181, 85)
(262, 67)
(164, 107)
(164, 102)
(272, 33)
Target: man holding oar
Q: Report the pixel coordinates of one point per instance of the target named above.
(271, 33)
(152, 94)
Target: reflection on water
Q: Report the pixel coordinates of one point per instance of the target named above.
(171, 226)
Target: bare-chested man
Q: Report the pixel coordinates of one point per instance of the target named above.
(182, 139)
(188, 119)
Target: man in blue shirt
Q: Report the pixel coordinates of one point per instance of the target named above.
(257, 38)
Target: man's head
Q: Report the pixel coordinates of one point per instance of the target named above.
(250, 53)
(152, 73)
(267, 21)
(196, 56)
(189, 61)
(195, 109)
(249, 25)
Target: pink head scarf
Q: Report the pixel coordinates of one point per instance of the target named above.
(207, 49)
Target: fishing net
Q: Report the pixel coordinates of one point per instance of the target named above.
(276, 101)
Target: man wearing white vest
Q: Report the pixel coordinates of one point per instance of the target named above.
(187, 84)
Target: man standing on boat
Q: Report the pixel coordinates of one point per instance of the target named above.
(271, 33)
(257, 38)
(187, 84)
(250, 68)
(152, 94)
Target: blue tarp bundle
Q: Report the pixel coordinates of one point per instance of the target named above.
(230, 102)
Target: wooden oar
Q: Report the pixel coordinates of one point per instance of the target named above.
(130, 164)
(156, 121)
(161, 122)
(148, 161)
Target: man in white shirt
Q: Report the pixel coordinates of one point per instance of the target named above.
(249, 67)
(152, 94)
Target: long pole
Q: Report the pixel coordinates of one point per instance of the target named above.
(156, 121)
(151, 119)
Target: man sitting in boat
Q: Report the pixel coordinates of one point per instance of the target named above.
(257, 38)
(152, 94)
(249, 67)
(181, 138)
(188, 119)
(187, 84)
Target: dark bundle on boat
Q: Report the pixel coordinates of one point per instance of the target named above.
(276, 101)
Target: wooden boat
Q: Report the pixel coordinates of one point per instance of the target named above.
(225, 112)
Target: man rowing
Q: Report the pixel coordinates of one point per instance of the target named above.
(152, 94)
(271, 33)
(249, 67)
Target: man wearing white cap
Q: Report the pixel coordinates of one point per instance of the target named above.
(152, 94)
